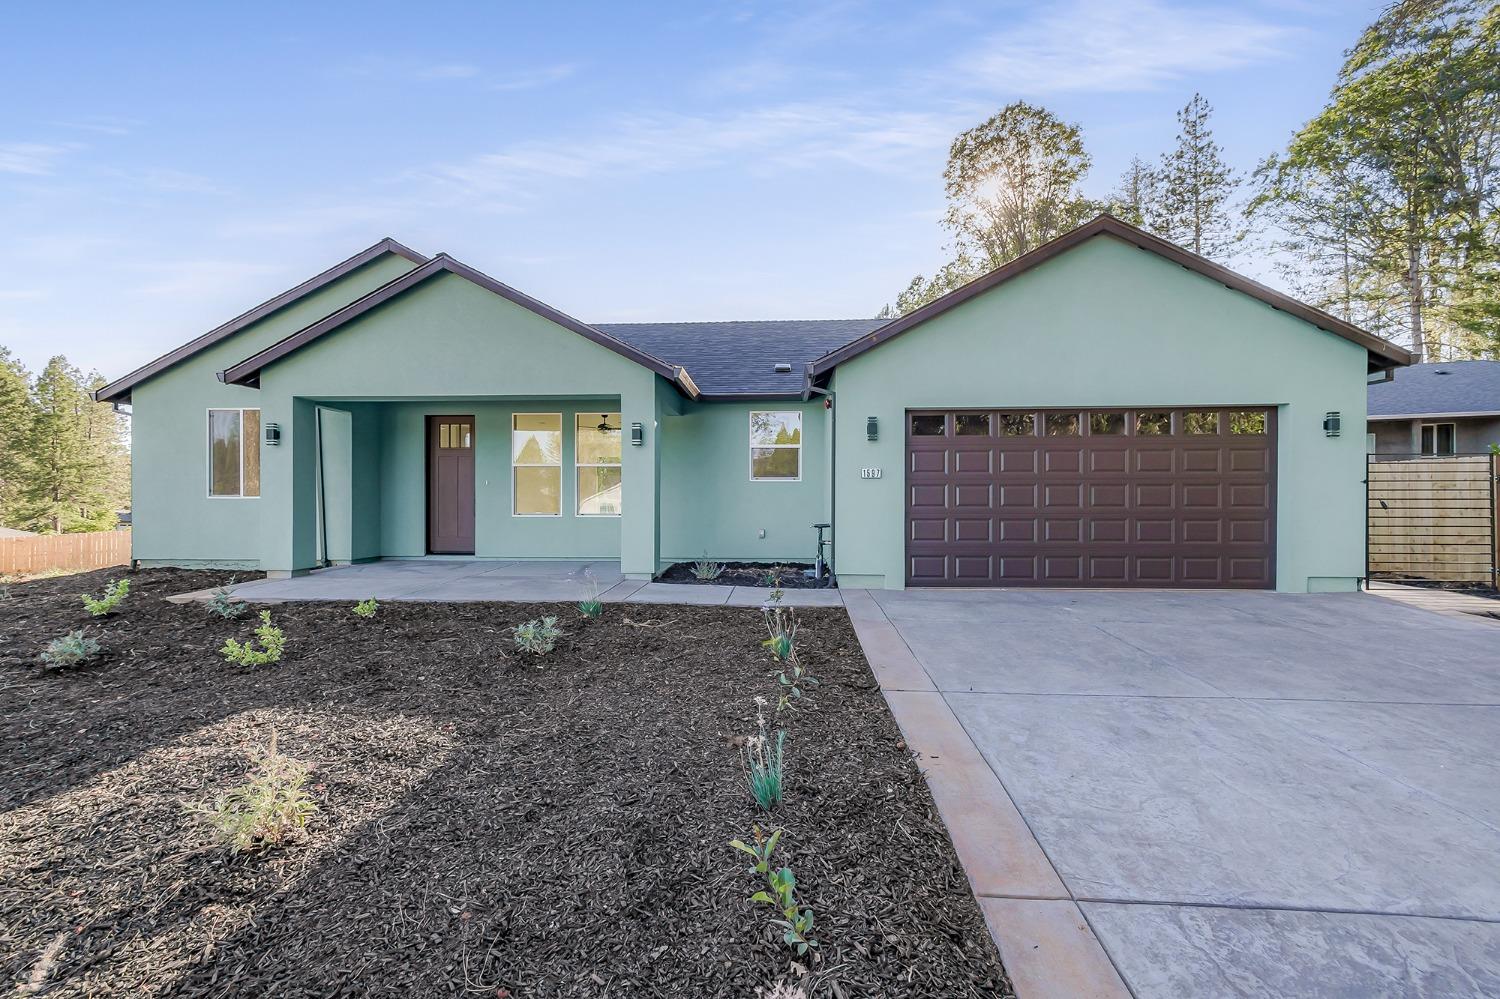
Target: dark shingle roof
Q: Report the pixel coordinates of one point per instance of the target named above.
(1439, 387)
(740, 357)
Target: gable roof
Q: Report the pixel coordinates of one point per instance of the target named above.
(119, 389)
(247, 372)
(1382, 353)
(738, 359)
(1439, 388)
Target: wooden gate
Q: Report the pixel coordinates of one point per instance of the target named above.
(1434, 518)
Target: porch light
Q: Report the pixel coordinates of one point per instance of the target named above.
(872, 428)
(637, 435)
(1331, 422)
(273, 434)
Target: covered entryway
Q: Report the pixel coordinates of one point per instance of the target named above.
(1153, 497)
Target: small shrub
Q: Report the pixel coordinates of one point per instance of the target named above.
(270, 809)
(70, 650)
(224, 604)
(796, 920)
(539, 636)
(272, 642)
(706, 569)
(109, 599)
(366, 608)
(590, 606)
(765, 761)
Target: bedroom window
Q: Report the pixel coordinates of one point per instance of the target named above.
(536, 464)
(1439, 438)
(596, 460)
(775, 447)
(233, 453)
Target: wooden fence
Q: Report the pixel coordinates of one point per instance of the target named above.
(1434, 518)
(50, 552)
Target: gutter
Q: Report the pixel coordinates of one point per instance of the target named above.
(833, 472)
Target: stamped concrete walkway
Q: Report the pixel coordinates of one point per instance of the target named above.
(1211, 794)
(439, 579)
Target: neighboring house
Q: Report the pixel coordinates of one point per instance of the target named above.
(1106, 410)
(1443, 407)
(12, 532)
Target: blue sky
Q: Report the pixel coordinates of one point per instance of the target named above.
(164, 167)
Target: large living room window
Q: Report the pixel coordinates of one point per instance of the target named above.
(775, 447)
(536, 464)
(1439, 438)
(233, 453)
(596, 443)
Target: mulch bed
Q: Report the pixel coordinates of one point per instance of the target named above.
(489, 825)
(745, 574)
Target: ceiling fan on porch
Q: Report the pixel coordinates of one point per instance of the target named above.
(604, 426)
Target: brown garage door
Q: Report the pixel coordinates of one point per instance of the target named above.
(1091, 497)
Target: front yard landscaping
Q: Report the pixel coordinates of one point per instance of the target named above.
(487, 821)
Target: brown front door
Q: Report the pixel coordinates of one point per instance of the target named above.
(450, 485)
(1145, 496)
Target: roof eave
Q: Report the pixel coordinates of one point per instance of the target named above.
(1476, 415)
(1382, 353)
(119, 390)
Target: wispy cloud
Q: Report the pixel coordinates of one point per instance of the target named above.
(199, 279)
(1129, 45)
(531, 79)
(30, 158)
(101, 124)
(446, 71)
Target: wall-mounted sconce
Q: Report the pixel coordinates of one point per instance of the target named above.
(872, 428)
(1331, 424)
(637, 435)
(273, 434)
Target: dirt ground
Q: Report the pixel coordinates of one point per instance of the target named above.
(489, 824)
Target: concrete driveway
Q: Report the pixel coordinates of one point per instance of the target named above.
(1246, 793)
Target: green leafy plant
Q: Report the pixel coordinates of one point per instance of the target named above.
(765, 761)
(223, 603)
(70, 650)
(706, 569)
(366, 608)
(781, 626)
(106, 602)
(590, 606)
(270, 809)
(796, 921)
(538, 636)
(272, 642)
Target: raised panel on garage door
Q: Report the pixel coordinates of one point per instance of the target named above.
(1093, 496)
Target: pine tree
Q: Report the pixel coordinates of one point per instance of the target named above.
(1196, 187)
(16, 414)
(72, 477)
(1138, 198)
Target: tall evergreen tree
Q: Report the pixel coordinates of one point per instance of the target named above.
(1138, 198)
(16, 414)
(72, 482)
(1197, 187)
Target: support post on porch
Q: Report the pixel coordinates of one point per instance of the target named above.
(288, 498)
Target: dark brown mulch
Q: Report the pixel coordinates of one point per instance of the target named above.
(489, 825)
(745, 574)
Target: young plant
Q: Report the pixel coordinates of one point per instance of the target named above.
(706, 570)
(72, 649)
(796, 920)
(765, 761)
(538, 636)
(781, 626)
(272, 642)
(223, 603)
(590, 606)
(270, 809)
(109, 599)
(366, 608)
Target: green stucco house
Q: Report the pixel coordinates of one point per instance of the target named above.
(1108, 410)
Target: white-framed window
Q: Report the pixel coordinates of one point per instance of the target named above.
(775, 446)
(596, 463)
(536, 464)
(1439, 438)
(234, 453)
(1370, 445)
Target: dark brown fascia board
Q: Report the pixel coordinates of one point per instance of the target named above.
(1381, 352)
(247, 372)
(119, 390)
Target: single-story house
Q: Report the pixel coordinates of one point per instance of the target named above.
(1107, 410)
(1441, 407)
